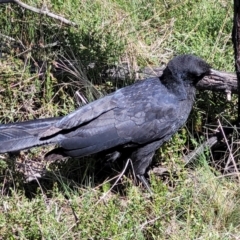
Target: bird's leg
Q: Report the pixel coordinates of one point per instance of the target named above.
(145, 183)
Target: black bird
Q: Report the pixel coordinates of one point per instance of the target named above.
(136, 119)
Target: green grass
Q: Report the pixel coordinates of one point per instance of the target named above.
(190, 210)
(74, 202)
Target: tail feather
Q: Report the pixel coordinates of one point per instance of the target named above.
(24, 135)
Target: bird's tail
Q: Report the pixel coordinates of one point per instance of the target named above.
(23, 135)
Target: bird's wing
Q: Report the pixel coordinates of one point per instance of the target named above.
(82, 115)
(140, 113)
(119, 99)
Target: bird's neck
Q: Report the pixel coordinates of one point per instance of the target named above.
(183, 90)
(191, 91)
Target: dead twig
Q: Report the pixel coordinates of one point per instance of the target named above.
(199, 150)
(43, 11)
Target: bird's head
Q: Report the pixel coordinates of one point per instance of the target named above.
(188, 68)
(183, 73)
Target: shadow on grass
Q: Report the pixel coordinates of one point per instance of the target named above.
(81, 174)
